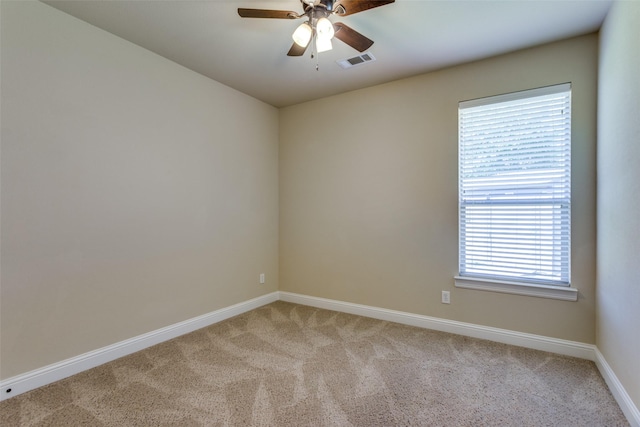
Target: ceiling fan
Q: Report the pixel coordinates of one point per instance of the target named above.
(318, 30)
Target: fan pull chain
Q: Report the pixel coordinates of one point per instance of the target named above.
(314, 38)
(314, 51)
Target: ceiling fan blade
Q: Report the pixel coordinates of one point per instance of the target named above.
(352, 37)
(349, 7)
(297, 50)
(266, 13)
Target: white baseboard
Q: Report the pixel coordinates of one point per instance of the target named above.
(57, 371)
(629, 409)
(39, 377)
(537, 342)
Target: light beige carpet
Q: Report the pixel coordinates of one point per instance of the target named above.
(290, 365)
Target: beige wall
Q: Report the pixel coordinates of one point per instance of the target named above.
(618, 283)
(368, 193)
(135, 193)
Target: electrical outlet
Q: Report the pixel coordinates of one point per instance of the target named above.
(262, 278)
(446, 297)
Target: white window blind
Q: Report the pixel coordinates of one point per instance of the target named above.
(515, 186)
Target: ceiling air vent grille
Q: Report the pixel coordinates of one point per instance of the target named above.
(356, 60)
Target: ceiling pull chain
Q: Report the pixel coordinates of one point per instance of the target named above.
(314, 37)
(315, 49)
(313, 46)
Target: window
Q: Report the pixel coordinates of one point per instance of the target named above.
(515, 193)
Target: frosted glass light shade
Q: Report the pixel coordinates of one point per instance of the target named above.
(302, 35)
(323, 45)
(324, 28)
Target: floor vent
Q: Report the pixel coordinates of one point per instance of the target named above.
(356, 60)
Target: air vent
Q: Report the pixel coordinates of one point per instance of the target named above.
(356, 60)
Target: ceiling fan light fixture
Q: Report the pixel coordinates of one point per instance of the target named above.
(323, 45)
(324, 28)
(318, 30)
(302, 35)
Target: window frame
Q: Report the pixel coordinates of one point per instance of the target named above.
(513, 285)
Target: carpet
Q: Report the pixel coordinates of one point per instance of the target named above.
(285, 364)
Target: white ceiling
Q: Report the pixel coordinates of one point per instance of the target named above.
(411, 37)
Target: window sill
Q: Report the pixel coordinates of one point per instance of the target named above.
(565, 293)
